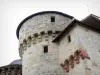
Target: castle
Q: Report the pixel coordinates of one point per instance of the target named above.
(14, 68)
(54, 43)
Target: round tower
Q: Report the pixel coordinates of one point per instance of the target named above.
(35, 33)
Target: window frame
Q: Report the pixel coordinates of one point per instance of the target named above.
(45, 49)
(52, 18)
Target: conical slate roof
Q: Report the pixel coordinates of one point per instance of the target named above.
(19, 62)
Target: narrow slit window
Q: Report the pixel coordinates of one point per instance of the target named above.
(52, 19)
(45, 49)
(69, 38)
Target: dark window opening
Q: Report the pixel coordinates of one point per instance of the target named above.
(69, 38)
(45, 49)
(52, 19)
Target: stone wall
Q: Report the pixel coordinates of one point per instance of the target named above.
(36, 38)
(41, 23)
(86, 39)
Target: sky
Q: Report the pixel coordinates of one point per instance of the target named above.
(12, 12)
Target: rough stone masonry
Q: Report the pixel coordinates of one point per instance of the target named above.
(41, 56)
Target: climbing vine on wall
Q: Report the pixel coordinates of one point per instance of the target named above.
(75, 59)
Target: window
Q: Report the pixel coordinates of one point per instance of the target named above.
(69, 38)
(52, 19)
(45, 49)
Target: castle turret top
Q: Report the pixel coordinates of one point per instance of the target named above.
(40, 13)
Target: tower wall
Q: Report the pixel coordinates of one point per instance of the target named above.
(41, 23)
(36, 33)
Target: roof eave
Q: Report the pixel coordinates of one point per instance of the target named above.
(65, 30)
